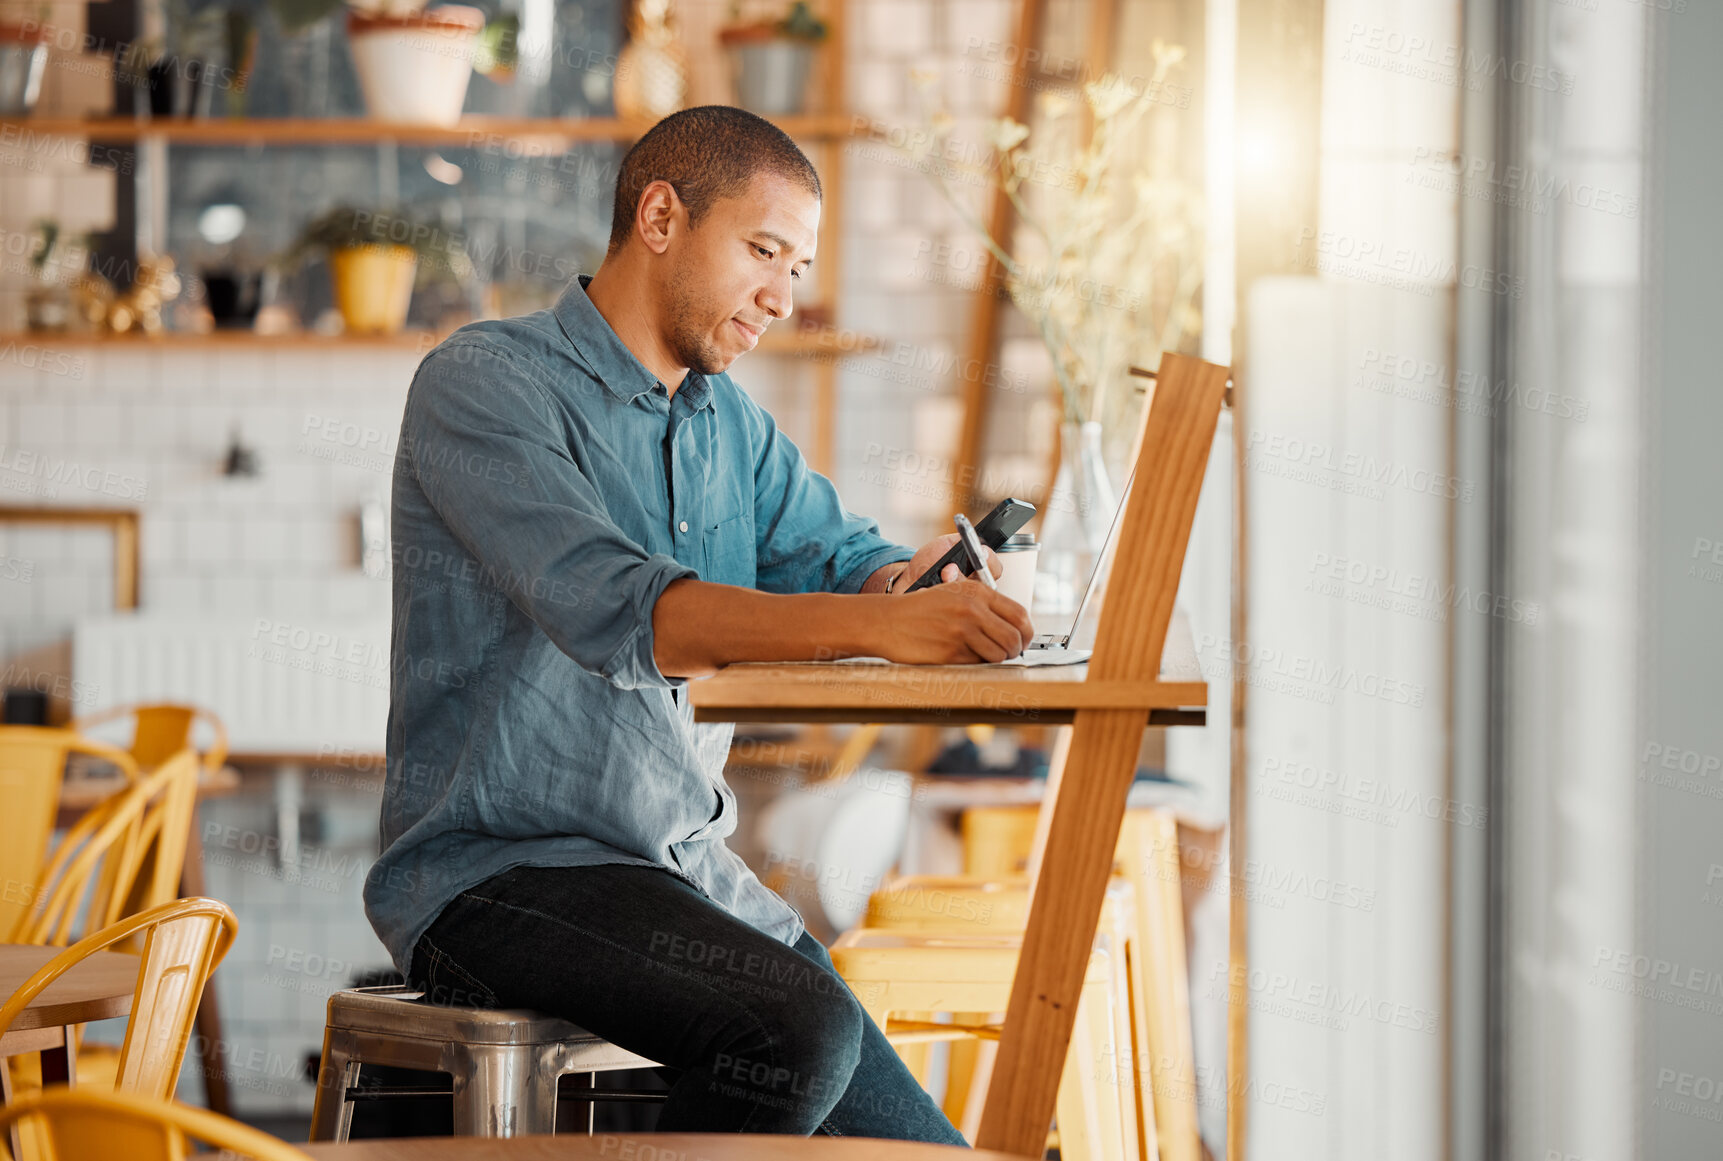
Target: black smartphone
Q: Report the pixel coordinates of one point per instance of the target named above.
(992, 530)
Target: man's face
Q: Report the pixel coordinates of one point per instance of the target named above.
(732, 274)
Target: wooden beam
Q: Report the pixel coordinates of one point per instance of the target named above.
(984, 333)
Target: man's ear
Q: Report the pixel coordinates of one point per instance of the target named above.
(659, 215)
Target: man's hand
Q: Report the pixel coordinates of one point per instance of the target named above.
(956, 623)
(928, 554)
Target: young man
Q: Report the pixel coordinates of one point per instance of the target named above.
(587, 514)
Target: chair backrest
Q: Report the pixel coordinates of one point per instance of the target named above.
(162, 729)
(100, 855)
(148, 872)
(32, 770)
(1174, 438)
(183, 942)
(80, 1125)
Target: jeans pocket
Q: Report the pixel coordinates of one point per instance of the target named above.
(446, 983)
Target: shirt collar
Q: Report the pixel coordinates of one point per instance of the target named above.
(622, 374)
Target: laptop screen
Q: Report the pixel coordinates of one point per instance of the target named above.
(1087, 619)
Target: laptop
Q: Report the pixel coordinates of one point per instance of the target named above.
(1056, 648)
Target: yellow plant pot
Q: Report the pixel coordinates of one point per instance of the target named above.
(373, 286)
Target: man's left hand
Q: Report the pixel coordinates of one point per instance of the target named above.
(928, 554)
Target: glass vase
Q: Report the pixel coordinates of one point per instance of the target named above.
(1073, 525)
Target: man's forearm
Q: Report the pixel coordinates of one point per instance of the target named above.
(698, 627)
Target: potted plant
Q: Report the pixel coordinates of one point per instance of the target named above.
(375, 257)
(56, 261)
(770, 59)
(413, 62)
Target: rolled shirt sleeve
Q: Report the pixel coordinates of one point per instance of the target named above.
(482, 440)
(805, 539)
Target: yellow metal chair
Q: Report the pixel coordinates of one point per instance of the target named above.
(76, 1125)
(160, 730)
(149, 874)
(182, 943)
(101, 855)
(32, 767)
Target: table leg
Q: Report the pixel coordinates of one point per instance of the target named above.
(59, 1065)
(1065, 908)
(208, 1023)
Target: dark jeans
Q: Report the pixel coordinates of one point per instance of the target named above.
(755, 1036)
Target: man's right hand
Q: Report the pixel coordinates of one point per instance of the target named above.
(956, 623)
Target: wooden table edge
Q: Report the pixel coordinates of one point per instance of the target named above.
(40, 1015)
(923, 693)
(692, 1146)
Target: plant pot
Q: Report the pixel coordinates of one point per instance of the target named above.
(769, 73)
(181, 87)
(47, 309)
(414, 69)
(233, 297)
(23, 62)
(373, 286)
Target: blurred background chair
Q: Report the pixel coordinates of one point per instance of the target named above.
(159, 731)
(97, 867)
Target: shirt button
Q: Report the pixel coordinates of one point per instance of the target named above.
(684, 525)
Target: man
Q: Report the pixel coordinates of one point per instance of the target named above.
(587, 514)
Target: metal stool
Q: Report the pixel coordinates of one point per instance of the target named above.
(504, 1062)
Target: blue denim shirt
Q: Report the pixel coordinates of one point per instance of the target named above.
(547, 489)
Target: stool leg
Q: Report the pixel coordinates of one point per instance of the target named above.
(501, 1092)
(332, 1114)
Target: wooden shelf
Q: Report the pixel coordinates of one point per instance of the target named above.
(826, 341)
(424, 340)
(470, 133)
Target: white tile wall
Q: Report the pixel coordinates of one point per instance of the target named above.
(279, 545)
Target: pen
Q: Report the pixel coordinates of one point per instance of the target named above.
(972, 545)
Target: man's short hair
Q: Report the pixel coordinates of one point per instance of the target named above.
(706, 153)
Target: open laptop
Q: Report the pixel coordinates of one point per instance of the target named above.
(1056, 648)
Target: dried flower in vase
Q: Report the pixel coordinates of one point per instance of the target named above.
(1107, 260)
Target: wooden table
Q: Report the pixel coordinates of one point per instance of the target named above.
(952, 695)
(1108, 704)
(646, 1147)
(99, 988)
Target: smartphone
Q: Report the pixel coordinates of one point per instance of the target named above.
(993, 529)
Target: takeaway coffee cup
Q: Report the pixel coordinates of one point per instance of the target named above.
(1018, 556)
